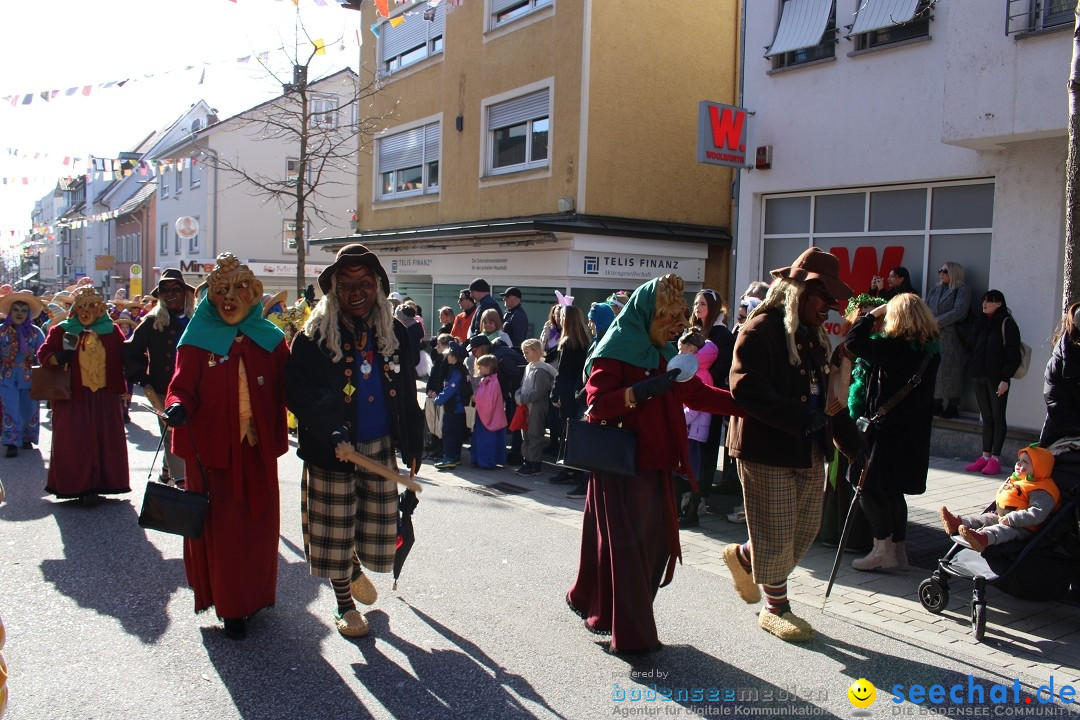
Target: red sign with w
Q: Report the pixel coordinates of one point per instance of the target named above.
(859, 272)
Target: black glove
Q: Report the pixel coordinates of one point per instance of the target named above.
(341, 435)
(309, 295)
(175, 415)
(63, 357)
(816, 421)
(654, 386)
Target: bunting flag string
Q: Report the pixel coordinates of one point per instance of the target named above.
(27, 98)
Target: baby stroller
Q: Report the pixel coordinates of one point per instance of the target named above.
(1040, 568)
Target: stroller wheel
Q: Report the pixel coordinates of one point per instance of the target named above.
(978, 620)
(933, 595)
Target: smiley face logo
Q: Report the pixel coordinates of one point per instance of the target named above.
(862, 693)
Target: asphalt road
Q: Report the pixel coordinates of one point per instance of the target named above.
(100, 625)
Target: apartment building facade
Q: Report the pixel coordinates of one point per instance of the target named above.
(910, 133)
(231, 214)
(546, 144)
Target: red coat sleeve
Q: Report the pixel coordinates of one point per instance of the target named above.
(696, 395)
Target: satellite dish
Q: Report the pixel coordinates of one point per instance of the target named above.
(187, 227)
(687, 365)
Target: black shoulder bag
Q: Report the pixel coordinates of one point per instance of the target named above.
(598, 447)
(170, 509)
(864, 423)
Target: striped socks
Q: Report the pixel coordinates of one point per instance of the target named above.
(743, 554)
(776, 598)
(344, 596)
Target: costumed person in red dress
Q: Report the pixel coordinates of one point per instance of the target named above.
(88, 429)
(226, 403)
(630, 537)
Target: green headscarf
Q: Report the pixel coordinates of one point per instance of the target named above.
(102, 326)
(208, 331)
(628, 337)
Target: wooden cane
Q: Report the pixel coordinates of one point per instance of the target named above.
(345, 452)
(154, 398)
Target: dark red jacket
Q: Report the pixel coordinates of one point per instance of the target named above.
(114, 359)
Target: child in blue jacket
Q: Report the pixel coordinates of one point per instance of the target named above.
(453, 398)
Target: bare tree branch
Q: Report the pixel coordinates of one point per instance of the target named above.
(326, 140)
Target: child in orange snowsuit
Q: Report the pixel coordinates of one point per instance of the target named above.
(1023, 503)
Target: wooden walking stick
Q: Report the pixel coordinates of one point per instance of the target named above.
(345, 452)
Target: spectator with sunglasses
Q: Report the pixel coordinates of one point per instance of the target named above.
(950, 301)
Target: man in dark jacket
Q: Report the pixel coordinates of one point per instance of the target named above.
(480, 291)
(150, 354)
(515, 320)
(779, 376)
(350, 380)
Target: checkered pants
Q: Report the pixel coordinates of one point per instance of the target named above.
(783, 514)
(350, 513)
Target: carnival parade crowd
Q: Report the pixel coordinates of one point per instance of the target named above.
(232, 373)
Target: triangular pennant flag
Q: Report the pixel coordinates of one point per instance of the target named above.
(395, 21)
(320, 46)
(382, 8)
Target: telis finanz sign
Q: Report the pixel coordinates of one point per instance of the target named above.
(721, 134)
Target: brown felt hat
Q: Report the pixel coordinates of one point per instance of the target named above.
(354, 254)
(816, 264)
(170, 275)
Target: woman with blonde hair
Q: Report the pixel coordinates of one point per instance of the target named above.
(897, 418)
(949, 302)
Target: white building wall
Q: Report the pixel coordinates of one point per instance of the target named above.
(967, 103)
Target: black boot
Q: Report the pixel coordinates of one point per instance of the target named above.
(950, 411)
(689, 517)
(12, 451)
(938, 407)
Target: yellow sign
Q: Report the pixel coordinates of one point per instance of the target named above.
(135, 285)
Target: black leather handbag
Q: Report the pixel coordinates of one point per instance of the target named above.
(599, 448)
(172, 510)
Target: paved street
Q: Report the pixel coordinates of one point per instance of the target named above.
(100, 621)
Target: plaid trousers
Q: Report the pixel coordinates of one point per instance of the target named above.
(350, 514)
(783, 514)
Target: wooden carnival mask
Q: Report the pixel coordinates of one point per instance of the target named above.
(670, 316)
(88, 307)
(233, 289)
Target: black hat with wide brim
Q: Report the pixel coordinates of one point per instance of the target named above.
(171, 275)
(352, 255)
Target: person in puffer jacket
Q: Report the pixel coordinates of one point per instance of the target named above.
(1023, 503)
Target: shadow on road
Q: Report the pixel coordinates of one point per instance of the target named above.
(279, 670)
(110, 567)
(463, 682)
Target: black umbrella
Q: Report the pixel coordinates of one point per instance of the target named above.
(407, 502)
(847, 528)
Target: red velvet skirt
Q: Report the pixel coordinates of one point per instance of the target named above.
(89, 446)
(624, 554)
(233, 566)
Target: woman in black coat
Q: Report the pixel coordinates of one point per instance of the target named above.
(1061, 383)
(574, 344)
(995, 355)
(899, 281)
(900, 440)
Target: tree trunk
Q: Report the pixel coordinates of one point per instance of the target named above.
(1071, 289)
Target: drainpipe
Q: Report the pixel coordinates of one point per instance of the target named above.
(214, 214)
(741, 59)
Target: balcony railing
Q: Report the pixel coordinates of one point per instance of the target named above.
(1025, 16)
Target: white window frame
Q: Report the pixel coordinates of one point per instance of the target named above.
(433, 45)
(195, 178)
(493, 103)
(193, 243)
(322, 108)
(163, 241)
(179, 177)
(292, 171)
(164, 186)
(501, 13)
(428, 165)
(288, 227)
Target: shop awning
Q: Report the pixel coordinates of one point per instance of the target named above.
(536, 225)
(802, 25)
(138, 199)
(24, 278)
(878, 14)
